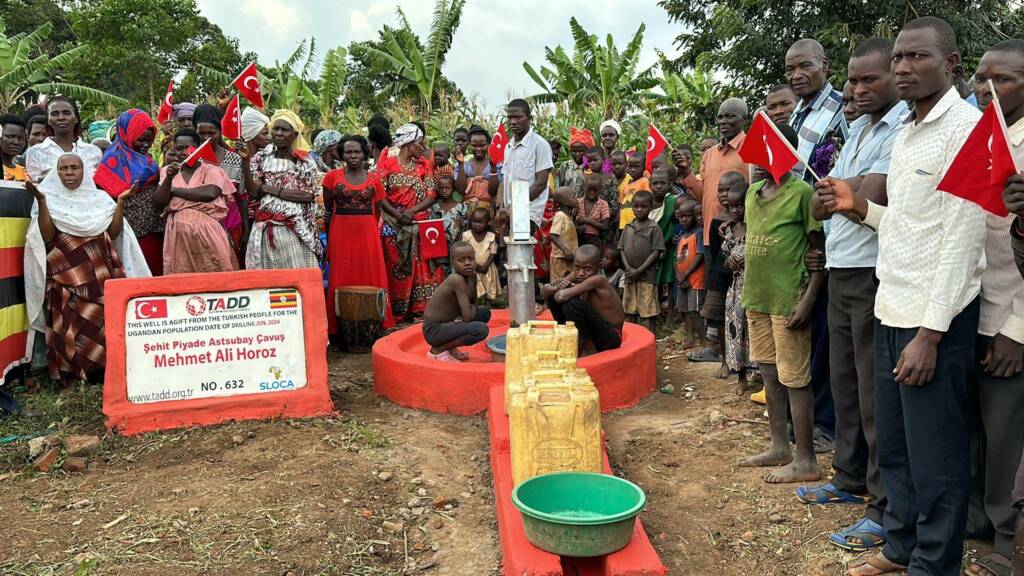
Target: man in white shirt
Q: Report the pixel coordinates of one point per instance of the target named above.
(527, 159)
(930, 263)
(1000, 349)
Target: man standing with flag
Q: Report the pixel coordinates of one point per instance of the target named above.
(851, 252)
(1000, 345)
(930, 263)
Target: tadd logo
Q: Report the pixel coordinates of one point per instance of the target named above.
(197, 305)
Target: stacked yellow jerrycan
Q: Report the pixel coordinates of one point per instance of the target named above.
(537, 345)
(555, 425)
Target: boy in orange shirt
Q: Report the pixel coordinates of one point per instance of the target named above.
(690, 272)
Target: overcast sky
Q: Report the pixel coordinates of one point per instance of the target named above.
(490, 46)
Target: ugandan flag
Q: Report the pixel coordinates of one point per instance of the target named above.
(15, 210)
(283, 298)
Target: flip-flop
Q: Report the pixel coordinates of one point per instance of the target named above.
(828, 494)
(995, 564)
(705, 355)
(442, 357)
(870, 533)
(877, 561)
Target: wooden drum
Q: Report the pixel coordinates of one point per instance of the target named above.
(361, 311)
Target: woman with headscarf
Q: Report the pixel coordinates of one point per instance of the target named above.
(284, 183)
(255, 137)
(206, 120)
(78, 238)
(64, 135)
(570, 172)
(127, 163)
(325, 150)
(609, 132)
(353, 196)
(409, 188)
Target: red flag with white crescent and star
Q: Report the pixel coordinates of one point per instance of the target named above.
(231, 122)
(248, 85)
(980, 169)
(167, 106)
(766, 147)
(498, 142)
(433, 243)
(656, 144)
(205, 152)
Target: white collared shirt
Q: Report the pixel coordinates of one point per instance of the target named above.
(523, 159)
(930, 243)
(1002, 288)
(42, 157)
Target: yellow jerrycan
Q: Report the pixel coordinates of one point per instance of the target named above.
(540, 336)
(555, 425)
(529, 364)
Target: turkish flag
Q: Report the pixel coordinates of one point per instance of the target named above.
(231, 122)
(248, 84)
(656, 144)
(167, 106)
(433, 243)
(150, 309)
(980, 169)
(766, 147)
(205, 152)
(498, 142)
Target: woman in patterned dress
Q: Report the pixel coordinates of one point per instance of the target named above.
(409, 189)
(352, 196)
(285, 183)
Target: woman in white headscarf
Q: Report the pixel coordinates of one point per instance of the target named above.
(77, 239)
(409, 192)
(609, 133)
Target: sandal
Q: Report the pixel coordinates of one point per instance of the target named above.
(828, 494)
(459, 354)
(442, 357)
(705, 355)
(822, 443)
(994, 563)
(874, 563)
(870, 533)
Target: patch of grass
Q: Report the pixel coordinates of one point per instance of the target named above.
(359, 435)
(49, 409)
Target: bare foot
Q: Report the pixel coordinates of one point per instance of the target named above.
(723, 372)
(688, 344)
(770, 458)
(794, 472)
(874, 563)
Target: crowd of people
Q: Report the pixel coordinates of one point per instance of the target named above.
(884, 318)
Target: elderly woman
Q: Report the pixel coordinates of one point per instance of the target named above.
(570, 172)
(409, 192)
(127, 163)
(610, 131)
(325, 151)
(78, 238)
(284, 183)
(207, 119)
(255, 137)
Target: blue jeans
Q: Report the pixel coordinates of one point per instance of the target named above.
(923, 448)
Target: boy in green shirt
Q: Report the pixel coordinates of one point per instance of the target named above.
(778, 296)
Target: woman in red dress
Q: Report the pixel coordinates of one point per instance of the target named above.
(351, 199)
(409, 188)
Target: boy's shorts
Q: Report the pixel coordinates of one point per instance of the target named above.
(690, 300)
(640, 299)
(772, 343)
(714, 306)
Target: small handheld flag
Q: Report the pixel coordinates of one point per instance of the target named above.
(765, 146)
(656, 144)
(204, 152)
(248, 85)
(231, 122)
(433, 243)
(167, 106)
(498, 142)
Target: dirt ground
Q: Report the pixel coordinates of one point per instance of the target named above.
(384, 490)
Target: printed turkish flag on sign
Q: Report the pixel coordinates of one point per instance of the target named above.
(766, 147)
(167, 106)
(433, 243)
(498, 142)
(980, 169)
(150, 309)
(248, 84)
(656, 144)
(205, 152)
(231, 123)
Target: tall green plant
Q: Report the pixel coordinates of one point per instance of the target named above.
(25, 70)
(413, 66)
(595, 73)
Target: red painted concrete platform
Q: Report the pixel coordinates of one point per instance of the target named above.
(404, 374)
(520, 558)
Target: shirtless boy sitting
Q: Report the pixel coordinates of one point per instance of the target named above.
(586, 298)
(452, 318)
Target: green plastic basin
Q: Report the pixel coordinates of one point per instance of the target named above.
(579, 514)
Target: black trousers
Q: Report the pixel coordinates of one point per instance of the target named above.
(923, 448)
(590, 325)
(468, 333)
(1001, 405)
(824, 408)
(851, 336)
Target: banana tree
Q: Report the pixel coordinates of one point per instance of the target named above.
(415, 66)
(595, 73)
(26, 71)
(692, 97)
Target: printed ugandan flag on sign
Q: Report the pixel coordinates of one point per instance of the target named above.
(283, 298)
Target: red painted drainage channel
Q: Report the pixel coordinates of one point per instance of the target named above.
(520, 558)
